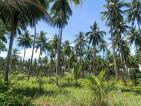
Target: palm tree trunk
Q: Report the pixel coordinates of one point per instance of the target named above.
(94, 71)
(58, 68)
(23, 58)
(30, 64)
(80, 54)
(113, 45)
(122, 59)
(10, 48)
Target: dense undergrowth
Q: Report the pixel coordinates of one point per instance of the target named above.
(44, 92)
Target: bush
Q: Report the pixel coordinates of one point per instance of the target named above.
(52, 80)
(8, 97)
(20, 76)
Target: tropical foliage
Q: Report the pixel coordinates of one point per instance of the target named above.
(37, 68)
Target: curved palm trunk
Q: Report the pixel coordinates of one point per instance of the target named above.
(30, 64)
(122, 59)
(23, 58)
(113, 45)
(10, 48)
(58, 68)
(94, 71)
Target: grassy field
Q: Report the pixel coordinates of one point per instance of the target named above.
(48, 94)
(73, 95)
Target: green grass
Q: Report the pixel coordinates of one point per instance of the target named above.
(72, 95)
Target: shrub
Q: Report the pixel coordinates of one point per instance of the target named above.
(98, 86)
(9, 97)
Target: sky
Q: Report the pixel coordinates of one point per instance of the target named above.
(81, 19)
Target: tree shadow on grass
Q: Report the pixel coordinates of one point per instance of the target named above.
(136, 91)
(34, 92)
(77, 85)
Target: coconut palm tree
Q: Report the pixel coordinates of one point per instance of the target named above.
(109, 16)
(14, 58)
(95, 36)
(72, 58)
(80, 43)
(117, 19)
(21, 12)
(66, 51)
(41, 44)
(103, 47)
(24, 41)
(54, 42)
(61, 11)
(115, 7)
(98, 87)
(121, 28)
(89, 57)
(134, 12)
(134, 37)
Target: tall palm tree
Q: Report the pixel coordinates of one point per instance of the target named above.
(134, 12)
(109, 14)
(21, 12)
(54, 42)
(121, 28)
(89, 57)
(61, 11)
(24, 41)
(41, 44)
(117, 21)
(95, 36)
(66, 51)
(72, 58)
(80, 43)
(103, 47)
(14, 57)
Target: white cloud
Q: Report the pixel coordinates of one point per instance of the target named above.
(72, 44)
(29, 53)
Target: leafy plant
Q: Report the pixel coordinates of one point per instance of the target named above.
(68, 77)
(98, 86)
(77, 71)
(9, 97)
(40, 82)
